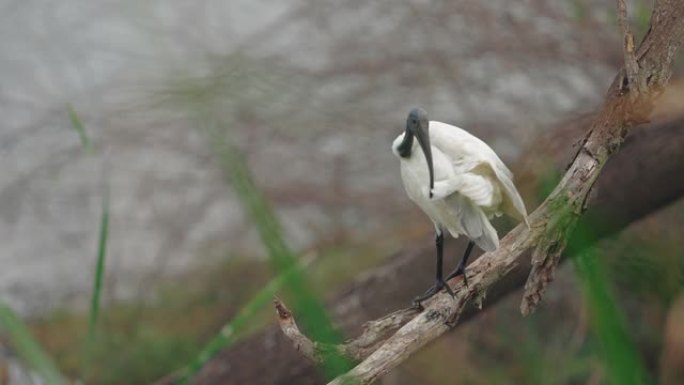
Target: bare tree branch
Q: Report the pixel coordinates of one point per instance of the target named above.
(358, 349)
(289, 327)
(552, 222)
(631, 66)
(568, 201)
(375, 331)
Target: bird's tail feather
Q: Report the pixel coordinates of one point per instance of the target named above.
(513, 204)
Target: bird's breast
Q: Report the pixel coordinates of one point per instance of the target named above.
(415, 174)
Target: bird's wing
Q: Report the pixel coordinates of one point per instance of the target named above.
(473, 222)
(513, 204)
(468, 153)
(465, 150)
(479, 189)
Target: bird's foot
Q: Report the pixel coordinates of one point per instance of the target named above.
(460, 270)
(434, 289)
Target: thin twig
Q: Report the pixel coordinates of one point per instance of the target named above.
(289, 327)
(631, 65)
(358, 349)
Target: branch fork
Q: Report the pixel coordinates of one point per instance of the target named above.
(357, 349)
(647, 71)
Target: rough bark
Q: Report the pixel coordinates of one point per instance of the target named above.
(629, 188)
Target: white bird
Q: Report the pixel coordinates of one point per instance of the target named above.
(459, 182)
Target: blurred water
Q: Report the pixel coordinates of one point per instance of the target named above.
(313, 93)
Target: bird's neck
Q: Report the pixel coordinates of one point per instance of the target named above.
(405, 148)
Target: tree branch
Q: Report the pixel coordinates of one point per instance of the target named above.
(552, 222)
(358, 349)
(631, 66)
(568, 201)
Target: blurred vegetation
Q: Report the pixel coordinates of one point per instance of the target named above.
(563, 343)
(622, 363)
(589, 337)
(142, 342)
(22, 341)
(77, 124)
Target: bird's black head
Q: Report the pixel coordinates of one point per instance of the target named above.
(417, 119)
(418, 125)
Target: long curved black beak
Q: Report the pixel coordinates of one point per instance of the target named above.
(424, 141)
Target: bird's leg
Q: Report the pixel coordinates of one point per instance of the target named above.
(462, 265)
(439, 277)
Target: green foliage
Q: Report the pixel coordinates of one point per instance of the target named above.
(621, 359)
(80, 129)
(101, 249)
(97, 284)
(15, 330)
(145, 341)
(26, 346)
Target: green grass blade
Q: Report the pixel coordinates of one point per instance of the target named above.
(622, 362)
(99, 278)
(232, 330)
(26, 346)
(311, 314)
(78, 126)
(101, 250)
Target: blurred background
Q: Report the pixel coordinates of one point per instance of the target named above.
(126, 99)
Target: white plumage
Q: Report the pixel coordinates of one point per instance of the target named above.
(459, 182)
(471, 184)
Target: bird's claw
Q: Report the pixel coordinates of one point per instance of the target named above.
(417, 302)
(448, 289)
(434, 289)
(459, 271)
